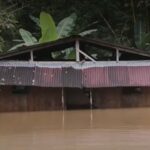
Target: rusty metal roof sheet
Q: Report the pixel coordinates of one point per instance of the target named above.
(88, 74)
(48, 77)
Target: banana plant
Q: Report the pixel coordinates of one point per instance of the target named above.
(51, 32)
(48, 28)
(1, 44)
(141, 35)
(63, 28)
(66, 26)
(144, 41)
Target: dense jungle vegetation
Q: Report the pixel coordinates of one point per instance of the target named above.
(125, 22)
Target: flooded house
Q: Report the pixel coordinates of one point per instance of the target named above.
(98, 75)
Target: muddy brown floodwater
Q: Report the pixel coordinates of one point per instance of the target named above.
(112, 129)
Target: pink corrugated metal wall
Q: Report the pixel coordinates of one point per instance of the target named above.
(116, 76)
(90, 77)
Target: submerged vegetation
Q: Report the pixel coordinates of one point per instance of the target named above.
(124, 22)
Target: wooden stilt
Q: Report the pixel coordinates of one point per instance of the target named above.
(91, 118)
(78, 52)
(62, 99)
(91, 99)
(63, 119)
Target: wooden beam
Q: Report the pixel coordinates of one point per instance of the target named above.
(110, 46)
(84, 54)
(77, 47)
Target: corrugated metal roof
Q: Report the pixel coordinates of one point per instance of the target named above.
(73, 64)
(119, 76)
(71, 77)
(88, 74)
(48, 77)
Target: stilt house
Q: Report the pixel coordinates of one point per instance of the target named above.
(97, 75)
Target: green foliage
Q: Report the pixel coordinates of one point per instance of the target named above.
(144, 41)
(1, 44)
(7, 19)
(71, 54)
(66, 26)
(35, 20)
(87, 32)
(17, 46)
(27, 37)
(48, 28)
(121, 22)
(8, 24)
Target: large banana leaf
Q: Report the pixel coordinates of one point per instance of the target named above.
(48, 28)
(142, 39)
(66, 25)
(27, 37)
(17, 46)
(144, 42)
(72, 55)
(35, 20)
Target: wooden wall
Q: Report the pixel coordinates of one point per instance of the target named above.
(34, 99)
(76, 98)
(108, 98)
(121, 97)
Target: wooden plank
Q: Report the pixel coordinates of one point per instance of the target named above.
(99, 43)
(84, 54)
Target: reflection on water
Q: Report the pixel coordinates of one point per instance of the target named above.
(117, 129)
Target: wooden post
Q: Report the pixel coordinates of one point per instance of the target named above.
(63, 119)
(91, 118)
(78, 51)
(62, 99)
(91, 99)
(77, 47)
(31, 56)
(91, 109)
(117, 55)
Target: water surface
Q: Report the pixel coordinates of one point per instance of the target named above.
(112, 129)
